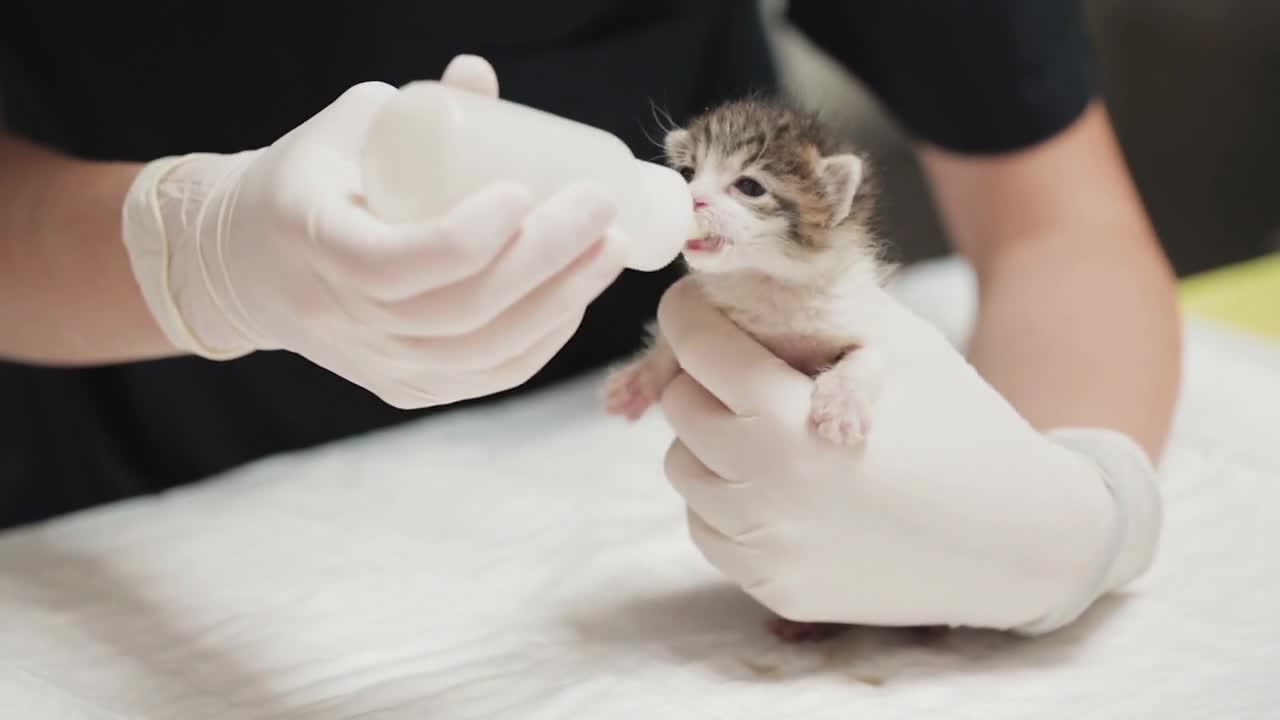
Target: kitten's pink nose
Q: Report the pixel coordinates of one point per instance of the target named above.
(698, 204)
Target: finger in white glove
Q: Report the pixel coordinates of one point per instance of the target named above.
(473, 73)
(274, 249)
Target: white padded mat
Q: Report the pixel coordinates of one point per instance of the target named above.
(529, 561)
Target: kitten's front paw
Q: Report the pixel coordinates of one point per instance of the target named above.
(837, 410)
(631, 389)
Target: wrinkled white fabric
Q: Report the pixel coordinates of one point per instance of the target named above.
(954, 511)
(528, 560)
(273, 249)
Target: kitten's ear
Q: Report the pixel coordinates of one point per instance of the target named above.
(841, 176)
(678, 145)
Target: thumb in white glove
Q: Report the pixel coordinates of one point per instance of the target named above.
(952, 510)
(274, 249)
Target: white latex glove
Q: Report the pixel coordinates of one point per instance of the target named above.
(954, 511)
(273, 249)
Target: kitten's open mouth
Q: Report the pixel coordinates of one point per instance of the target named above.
(710, 243)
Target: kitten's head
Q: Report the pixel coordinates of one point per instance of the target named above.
(778, 193)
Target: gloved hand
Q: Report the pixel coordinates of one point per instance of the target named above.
(954, 511)
(273, 249)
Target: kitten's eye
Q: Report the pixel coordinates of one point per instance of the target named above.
(748, 186)
(686, 172)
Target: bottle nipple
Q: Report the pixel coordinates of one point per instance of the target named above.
(664, 221)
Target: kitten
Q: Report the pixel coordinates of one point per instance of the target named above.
(788, 257)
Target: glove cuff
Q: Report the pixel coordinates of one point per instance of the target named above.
(166, 260)
(1130, 478)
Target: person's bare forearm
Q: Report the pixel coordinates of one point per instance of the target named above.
(1078, 320)
(67, 292)
(1078, 340)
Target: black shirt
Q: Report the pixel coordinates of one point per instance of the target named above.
(138, 80)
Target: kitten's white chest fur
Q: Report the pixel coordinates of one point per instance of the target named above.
(827, 330)
(808, 327)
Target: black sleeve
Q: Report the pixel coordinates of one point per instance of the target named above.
(974, 76)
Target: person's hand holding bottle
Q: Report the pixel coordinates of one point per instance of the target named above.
(274, 249)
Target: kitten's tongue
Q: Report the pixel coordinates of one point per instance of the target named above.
(705, 244)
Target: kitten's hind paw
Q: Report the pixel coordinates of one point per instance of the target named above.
(631, 389)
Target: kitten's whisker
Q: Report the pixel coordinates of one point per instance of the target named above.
(660, 115)
(655, 142)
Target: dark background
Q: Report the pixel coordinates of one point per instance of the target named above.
(1193, 87)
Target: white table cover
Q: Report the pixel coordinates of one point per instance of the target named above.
(528, 560)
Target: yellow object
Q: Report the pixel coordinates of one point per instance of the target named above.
(1245, 295)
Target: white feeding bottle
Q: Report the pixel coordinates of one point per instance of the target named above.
(433, 145)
